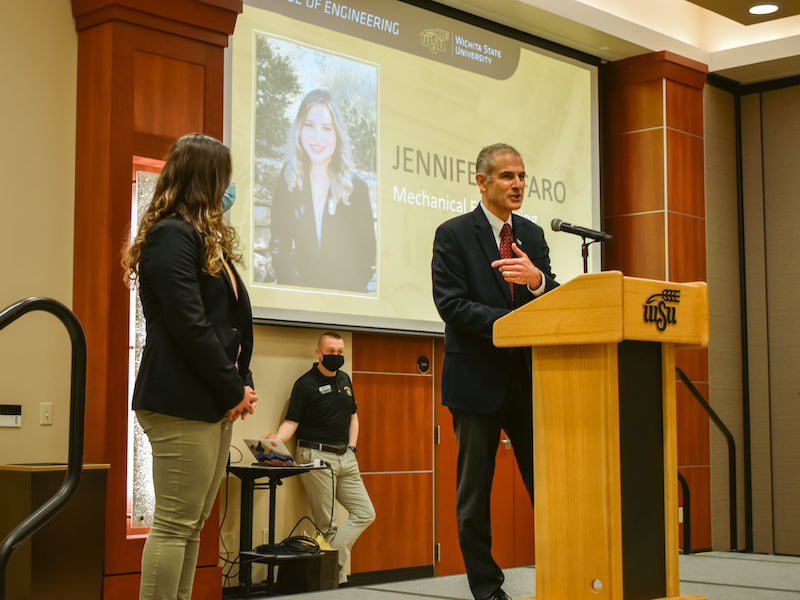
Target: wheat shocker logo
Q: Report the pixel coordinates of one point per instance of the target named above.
(658, 311)
(435, 40)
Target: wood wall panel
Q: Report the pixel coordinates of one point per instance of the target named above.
(685, 183)
(93, 185)
(524, 525)
(176, 114)
(402, 534)
(699, 482)
(383, 353)
(512, 514)
(396, 422)
(450, 560)
(633, 108)
(126, 586)
(657, 66)
(635, 181)
(638, 246)
(395, 450)
(658, 216)
(681, 108)
(687, 241)
(693, 427)
(693, 362)
(210, 22)
(503, 520)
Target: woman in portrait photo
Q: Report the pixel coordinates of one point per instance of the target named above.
(322, 226)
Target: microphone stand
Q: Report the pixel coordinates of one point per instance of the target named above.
(585, 252)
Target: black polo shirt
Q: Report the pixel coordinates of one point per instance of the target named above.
(322, 407)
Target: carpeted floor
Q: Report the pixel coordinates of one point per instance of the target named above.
(715, 575)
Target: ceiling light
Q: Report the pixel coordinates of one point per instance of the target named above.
(763, 9)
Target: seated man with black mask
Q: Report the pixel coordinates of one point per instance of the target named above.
(322, 412)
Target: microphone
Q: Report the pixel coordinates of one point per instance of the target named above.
(593, 234)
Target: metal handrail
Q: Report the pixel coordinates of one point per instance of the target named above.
(731, 454)
(77, 410)
(687, 512)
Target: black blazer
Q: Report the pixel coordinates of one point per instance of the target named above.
(345, 257)
(195, 327)
(470, 296)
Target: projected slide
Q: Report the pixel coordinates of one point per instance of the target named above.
(354, 130)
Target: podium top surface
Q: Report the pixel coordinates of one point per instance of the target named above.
(608, 307)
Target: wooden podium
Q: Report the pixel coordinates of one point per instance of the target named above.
(605, 457)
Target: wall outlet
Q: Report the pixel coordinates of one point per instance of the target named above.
(680, 514)
(265, 536)
(46, 413)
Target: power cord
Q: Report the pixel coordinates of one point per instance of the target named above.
(292, 545)
(317, 530)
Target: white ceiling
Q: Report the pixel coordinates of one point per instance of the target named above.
(616, 29)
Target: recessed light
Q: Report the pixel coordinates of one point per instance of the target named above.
(763, 9)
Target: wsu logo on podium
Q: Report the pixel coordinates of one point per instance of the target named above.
(659, 309)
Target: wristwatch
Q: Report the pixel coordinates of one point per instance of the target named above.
(353, 448)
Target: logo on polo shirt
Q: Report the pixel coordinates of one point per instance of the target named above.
(348, 391)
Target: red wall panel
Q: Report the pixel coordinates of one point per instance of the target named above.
(654, 205)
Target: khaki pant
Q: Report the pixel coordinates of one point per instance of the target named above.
(349, 491)
(189, 460)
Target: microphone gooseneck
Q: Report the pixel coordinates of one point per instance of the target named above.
(585, 232)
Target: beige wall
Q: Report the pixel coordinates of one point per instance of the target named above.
(757, 323)
(38, 52)
(724, 351)
(780, 130)
(771, 180)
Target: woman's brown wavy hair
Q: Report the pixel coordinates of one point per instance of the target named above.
(191, 185)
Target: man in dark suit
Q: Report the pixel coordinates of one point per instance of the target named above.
(485, 264)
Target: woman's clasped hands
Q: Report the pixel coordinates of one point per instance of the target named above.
(246, 406)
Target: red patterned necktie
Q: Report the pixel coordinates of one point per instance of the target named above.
(505, 249)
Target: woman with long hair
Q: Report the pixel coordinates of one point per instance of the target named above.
(322, 227)
(194, 380)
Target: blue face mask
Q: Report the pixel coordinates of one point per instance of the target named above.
(229, 198)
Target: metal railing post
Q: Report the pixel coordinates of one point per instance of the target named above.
(49, 509)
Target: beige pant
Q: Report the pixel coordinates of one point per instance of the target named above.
(189, 460)
(349, 491)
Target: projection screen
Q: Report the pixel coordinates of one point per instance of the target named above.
(398, 102)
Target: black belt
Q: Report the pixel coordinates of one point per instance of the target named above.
(322, 447)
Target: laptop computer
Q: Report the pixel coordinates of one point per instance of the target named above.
(270, 453)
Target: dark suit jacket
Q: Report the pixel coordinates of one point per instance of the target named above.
(195, 327)
(345, 257)
(470, 296)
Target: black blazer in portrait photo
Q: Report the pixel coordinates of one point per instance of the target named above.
(344, 256)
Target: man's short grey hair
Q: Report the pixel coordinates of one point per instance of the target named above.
(485, 162)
